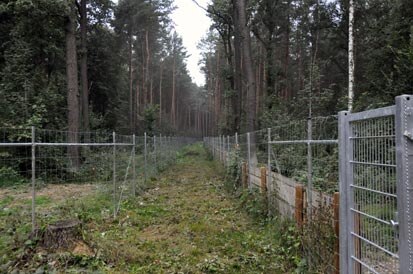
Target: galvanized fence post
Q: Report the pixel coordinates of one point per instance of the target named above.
(114, 173)
(249, 159)
(145, 156)
(343, 133)
(404, 171)
(33, 178)
(134, 166)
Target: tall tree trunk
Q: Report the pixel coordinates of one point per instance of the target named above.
(160, 92)
(151, 91)
(131, 114)
(83, 65)
(173, 115)
(217, 90)
(144, 80)
(237, 99)
(249, 75)
(351, 56)
(72, 88)
(147, 66)
(287, 54)
(248, 64)
(138, 105)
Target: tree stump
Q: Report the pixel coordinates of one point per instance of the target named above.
(62, 234)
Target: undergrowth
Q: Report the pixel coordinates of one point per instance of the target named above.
(186, 222)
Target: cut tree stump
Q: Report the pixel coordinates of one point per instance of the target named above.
(62, 234)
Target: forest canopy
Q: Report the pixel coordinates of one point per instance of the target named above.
(84, 65)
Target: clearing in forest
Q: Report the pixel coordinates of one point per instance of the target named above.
(186, 222)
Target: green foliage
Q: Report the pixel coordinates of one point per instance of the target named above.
(32, 71)
(150, 116)
(233, 169)
(254, 203)
(10, 177)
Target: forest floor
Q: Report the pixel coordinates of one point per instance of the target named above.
(186, 222)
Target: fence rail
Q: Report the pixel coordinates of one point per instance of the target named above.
(119, 165)
(300, 166)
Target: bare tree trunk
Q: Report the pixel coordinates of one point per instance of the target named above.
(351, 56)
(83, 66)
(217, 91)
(147, 66)
(237, 99)
(248, 64)
(138, 105)
(173, 115)
(287, 55)
(160, 93)
(144, 81)
(72, 88)
(249, 74)
(151, 91)
(131, 114)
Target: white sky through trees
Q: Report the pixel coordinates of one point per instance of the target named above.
(192, 24)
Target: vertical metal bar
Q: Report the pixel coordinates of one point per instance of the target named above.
(309, 167)
(404, 173)
(134, 166)
(344, 207)
(33, 179)
(236, 138)
(114, 174)
(145, 156)
(249, 159)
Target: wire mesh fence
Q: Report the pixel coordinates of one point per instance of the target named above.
(277, 161)
(300, 166)
(44, 173)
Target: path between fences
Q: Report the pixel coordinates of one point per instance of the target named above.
(185, 221)
(189, 224)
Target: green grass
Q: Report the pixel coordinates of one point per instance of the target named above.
(185, 223)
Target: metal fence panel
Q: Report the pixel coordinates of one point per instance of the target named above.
(368, 182)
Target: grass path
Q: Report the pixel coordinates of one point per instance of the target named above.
(187, 223)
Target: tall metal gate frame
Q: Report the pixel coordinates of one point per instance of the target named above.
(376, 186)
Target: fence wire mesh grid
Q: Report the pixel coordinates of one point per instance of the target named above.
(366, 228)
(44, 173)
(286, 151)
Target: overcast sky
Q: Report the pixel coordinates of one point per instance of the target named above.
(192, 24)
